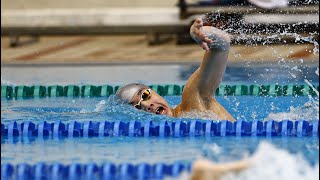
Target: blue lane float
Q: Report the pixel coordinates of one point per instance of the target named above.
(40, 170)
(43, 129)
(57, 171)
(147, 129)
(179, 128)
(108, 171)
(91, 171)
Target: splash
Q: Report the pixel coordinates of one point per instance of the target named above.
(98, 107)
(270, 162)
(309, 111)
(266, 29)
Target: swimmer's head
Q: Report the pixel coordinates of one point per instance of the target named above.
(142, 97)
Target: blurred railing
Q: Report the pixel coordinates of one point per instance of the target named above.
(95, 21)
(244, 19)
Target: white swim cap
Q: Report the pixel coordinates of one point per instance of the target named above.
(127, 92)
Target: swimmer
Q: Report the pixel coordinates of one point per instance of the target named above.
(197, 95)
(198, 91)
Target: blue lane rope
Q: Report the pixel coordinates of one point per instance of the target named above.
(300, 128)
(108, 171)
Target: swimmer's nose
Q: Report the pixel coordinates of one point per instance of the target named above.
(148, 106)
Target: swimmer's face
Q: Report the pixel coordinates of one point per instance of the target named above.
(148, 100)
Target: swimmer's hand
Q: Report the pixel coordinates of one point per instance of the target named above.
(208, 37)
(198, 34)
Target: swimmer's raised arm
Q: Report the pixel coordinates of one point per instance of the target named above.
(200, 87)
(216, 43)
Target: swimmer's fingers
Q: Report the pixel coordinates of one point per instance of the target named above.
(205, 46)
(202, 39)
(200, 35)
(207, 40)
(196, 33)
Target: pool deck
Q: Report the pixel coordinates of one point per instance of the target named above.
(132, 49)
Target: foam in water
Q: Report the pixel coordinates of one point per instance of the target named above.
(309, 111)
(98, 107)
(270, 162)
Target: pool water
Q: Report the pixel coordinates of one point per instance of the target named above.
(152, 149)
(107, 108)
(148, 150)
(275, 157)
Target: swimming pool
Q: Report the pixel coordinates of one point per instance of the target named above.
(153, 150)
(118, 154)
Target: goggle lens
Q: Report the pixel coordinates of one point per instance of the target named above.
(146, 94)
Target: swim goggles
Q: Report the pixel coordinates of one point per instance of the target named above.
(145, 95)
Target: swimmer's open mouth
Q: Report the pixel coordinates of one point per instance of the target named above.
(159, 110)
